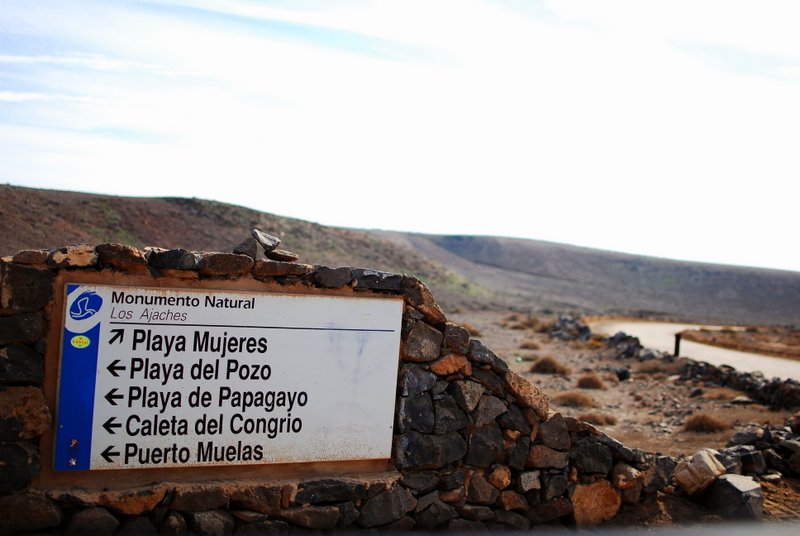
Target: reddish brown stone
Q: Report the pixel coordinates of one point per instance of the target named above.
(527, 394)
(541, 457)
(511, 500)
(132, 502)
(422, 343)
(595, 503)
(450, 364)
(500, 477)
(453, 496)
(198, 497)
(121, 257)
(224, 264)
(419, 296)
(23, 413)
(456, 337)
(311, 517)
(281, 255)
(79, 256)
(263, 499)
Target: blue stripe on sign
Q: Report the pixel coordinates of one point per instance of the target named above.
(73, 449)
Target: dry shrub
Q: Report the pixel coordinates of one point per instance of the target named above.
(548, 365)
(529, 345)
(473, 331)
(704, 423)
(720, 393)
(595, 344)
(598, 419)
(659, 366)
(574, 399)
(591, 381)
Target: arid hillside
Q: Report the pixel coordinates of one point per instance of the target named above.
(465, 272)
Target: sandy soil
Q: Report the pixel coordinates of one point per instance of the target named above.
(647, 411)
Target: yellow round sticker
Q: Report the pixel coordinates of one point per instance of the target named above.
(80, 341)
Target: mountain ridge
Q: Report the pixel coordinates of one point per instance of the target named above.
(465, 272)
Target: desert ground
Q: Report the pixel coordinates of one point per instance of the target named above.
(648, 410)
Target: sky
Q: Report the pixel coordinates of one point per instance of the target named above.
(663, 128)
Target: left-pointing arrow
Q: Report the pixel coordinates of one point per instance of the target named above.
(109, 453)
(114, 367)
(112, 396)
(118, 335)
(109, 425)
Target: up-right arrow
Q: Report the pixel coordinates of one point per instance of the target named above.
(118, 334)
(109, 453)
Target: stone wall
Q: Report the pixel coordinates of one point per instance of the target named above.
(475, 445)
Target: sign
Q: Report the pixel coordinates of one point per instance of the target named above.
(175, 378)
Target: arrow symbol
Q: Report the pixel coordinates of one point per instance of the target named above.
(118, 333)
(108, 454)
(109, 425)
(114, 367)
(112, 397)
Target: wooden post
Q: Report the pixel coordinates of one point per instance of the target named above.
(677, 345)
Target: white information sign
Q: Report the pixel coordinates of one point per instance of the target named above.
(170, 378)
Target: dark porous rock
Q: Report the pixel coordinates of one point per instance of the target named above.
(174, 524)
(263, 528)
(326, 490)
(475, 512)
(414, 450)
(424, 501)
(20, 365)
(449, 417)
(224, 264)
(466, 393)
(489, 408)
(548, 511)
(790, 449)
(404, 524)
(745, 437)
(512, 519)
(248, 247)
(591, 457)
(311, 517)
(423, 343)
(139, 525)
(27, 512)
(267, 241)
(490, 380)
(211, 522)
(511, 500)
(485, 446)
(752, 460)
(480, 491)
(375, 280)
(554, 485)
(452, 479)
(198, 498)
(513, 419)
(554, 434)
(730, 460)
(415, 380)
(20, 465)
(348, 513)
(30, 256)
(266, 269)
(481, 355)
(121, 257)
(26, 288)
(419, 296)
(435, 515)
(620, 451)
(459, 525)
(262, 499)
(542, 457)
(659, 473)
(736, 497)
(281, 255)
(248, 516)
(518, 453)
(327, 277)
(22, 328)
(95, 521)
(386, 507)
(419, 482)
(456, 337)
(415, 413)
(173, 259)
